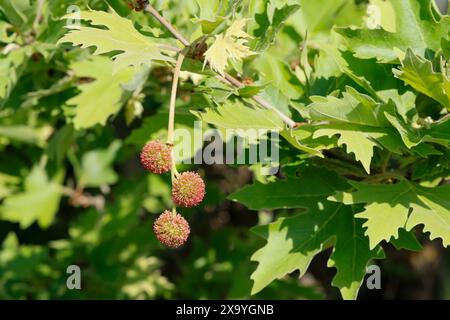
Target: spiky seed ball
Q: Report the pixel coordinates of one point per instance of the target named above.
(156, 157)
(188, 189)
(171, 229)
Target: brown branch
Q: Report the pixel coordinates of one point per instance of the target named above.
(167, 25)
(235, 82)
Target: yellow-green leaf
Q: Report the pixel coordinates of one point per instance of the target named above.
(230, 45)
(101, 98)
(119, 35)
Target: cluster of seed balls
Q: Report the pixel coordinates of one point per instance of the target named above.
(188, 190)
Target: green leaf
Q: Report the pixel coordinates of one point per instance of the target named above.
(385, 137)
(118, 34)
(101, 98)
(313, 186)
(351, 253)
(235, 115)
(218, 91)
(439, 130)
(317, 18)
(209, 17)
(405, 104)
(18, 12)
(276, 98)
(12, 64)
(367, 73)
(403, 205)
(445, 44)
(419, 74)
(416, 28)
(406, 240)
(5, 35)
(208, 9)
(39, 201)
(291, 245)
(8, 184)
(301, 139)
(353, 107)
(60, 143)
(413, 137)
(293, 242)
(269, 26)
(97, 166)
(360, 121)
(275, 71)
(356, 119)
(359, 143)
(383, 15)
(250, 90)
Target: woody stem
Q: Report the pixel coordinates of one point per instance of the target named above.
(171, 125)
(173, 97)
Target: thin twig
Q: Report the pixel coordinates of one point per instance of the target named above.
(169, 48)
(235, 82)
(444, 118)
(291, 123)
(263, 102)
(166, 24)
(173, 97)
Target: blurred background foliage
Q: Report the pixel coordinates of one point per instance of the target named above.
(79, 197)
